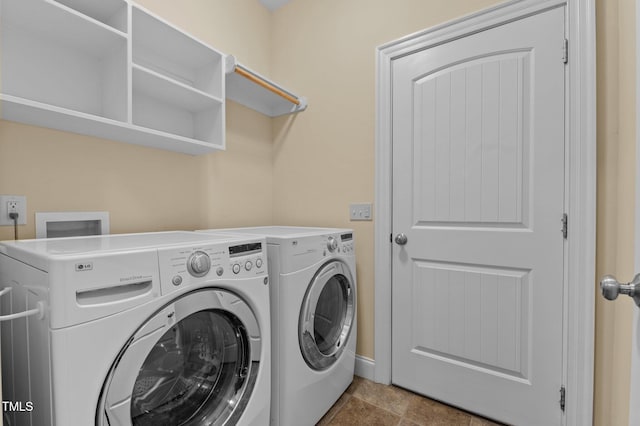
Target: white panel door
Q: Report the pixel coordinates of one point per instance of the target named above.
(478, 190)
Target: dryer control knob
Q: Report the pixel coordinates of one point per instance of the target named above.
(199, 264)
(332, 244)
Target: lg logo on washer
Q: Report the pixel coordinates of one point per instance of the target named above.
(88, 266)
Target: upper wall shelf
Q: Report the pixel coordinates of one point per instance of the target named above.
(254, 91)
(111, 69)
(110, 12)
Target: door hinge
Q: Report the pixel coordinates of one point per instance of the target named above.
(565, 51)
(565, 225)
(562, 397)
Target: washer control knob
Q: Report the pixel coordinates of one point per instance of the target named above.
(332, 244)
(235, 268)
(248, 265)
(177, 280)
(199, 264)
(220, 271)
(258, 263)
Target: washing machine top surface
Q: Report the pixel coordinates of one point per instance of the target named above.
(110, 243)
(280, 232)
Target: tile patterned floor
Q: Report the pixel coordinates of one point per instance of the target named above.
(371, 404)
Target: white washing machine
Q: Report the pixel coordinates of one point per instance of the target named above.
(313, 307)
(137, 329)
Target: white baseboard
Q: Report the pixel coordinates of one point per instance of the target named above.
(365, 367)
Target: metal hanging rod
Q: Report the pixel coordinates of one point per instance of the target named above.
(259, 81)
(252, 90)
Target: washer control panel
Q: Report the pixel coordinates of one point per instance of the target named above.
(246, 257)
(180, 267)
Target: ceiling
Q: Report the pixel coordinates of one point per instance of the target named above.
(273, 4)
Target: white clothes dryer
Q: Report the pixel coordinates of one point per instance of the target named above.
(314, 321)
(138, 329)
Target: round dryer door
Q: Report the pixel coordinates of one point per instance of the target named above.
(327, 315)
(189, 364)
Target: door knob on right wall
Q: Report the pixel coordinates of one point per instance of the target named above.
(611, 288)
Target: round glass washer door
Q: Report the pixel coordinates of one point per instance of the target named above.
(327, 315)
(189, 364)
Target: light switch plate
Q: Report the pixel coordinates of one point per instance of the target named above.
(22, 209)
(360, 211)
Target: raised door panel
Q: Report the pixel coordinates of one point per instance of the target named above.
(471, 142)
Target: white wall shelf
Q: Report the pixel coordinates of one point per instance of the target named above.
(110, 69)
(59, 57)
(110, 12)
(254, 91)
(45, 115)
(54, 21)
(159, 47)
(171, 91)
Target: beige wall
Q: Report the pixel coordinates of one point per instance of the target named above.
(306, 169)
(615, 212)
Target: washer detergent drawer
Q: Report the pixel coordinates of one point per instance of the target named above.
(85, 288)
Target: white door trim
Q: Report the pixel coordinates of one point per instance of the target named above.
(580, 186)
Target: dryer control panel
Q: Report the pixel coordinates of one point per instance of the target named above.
(299, 253)
(346, 241)
(184, 266)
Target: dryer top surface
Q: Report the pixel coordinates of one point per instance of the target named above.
(281, 232)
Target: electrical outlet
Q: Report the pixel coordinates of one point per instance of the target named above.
(13, 204)
(12, 207)
(360, 211)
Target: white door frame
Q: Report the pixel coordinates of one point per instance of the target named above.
(580, 186)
